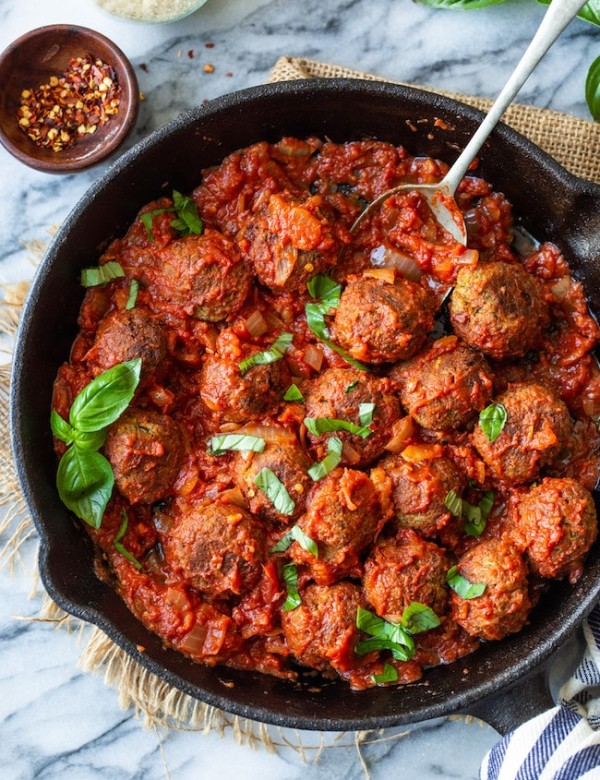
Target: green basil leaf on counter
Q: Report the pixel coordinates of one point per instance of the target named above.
(91, 277)
(492, 420)
(319, 425)
(461, 585)
(296, 534)
(270, 484)
(121, 547)
(290, 578)
(61, 428)
(133, 294)
(293, 393)
(334, 455)
(275, 352)
(592, 88)
(85, 481)
(418, 617)
(106, 397)
(389, 674)
(237, 442)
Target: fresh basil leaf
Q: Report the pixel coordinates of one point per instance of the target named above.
(590, 11)
(592, 88)
(462, 586)
(133, 294)
(275, 352)
(148, 217)
(91, 277)
(325, 288)
(365, 414)
(384, 636)
(121, 547)
(91, 441)
(296, 534)
(486, 503)
(492, 420)
(351, 386)
(319, 425)
(290, 578)
(61, 428)
(418, 617)
(293, 393)
(453, 503)
(237, 442)
(459, 5)
(399, 652)
(334, 455)
(389, 674)
(188, 219)
(476, 516)
(85, 481)
(270, 484)
(474, 524)
(106, 397)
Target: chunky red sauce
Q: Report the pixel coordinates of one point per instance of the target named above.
(516, 336)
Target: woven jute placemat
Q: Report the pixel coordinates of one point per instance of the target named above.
(573, 142)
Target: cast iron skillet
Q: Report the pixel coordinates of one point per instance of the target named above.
(554, 206)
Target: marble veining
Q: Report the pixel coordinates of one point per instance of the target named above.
(56, 722)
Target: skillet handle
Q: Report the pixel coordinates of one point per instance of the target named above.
(515, 704)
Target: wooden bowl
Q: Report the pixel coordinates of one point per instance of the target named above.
(31, 61)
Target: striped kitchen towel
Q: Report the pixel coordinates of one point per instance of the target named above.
(564, 742)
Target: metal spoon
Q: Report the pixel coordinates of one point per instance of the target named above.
(440, 197)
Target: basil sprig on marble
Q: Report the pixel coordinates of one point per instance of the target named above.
(274, 489)
(92, 277)
(476, 516)
(274, 353)
(395, 637)
(85, 478)
(461, 585)
(187, 220)
(118, 544)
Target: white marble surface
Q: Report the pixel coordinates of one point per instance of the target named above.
(55, 721)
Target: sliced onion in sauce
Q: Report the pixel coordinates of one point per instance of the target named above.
(285, 264)
(561, 288)
(256, 324)
(313, 356)
(194, 641)
(350, 454)
(402, 430)
(383, 256)
(270, 433)
(383, 274)
(178, 599)
(234, 496)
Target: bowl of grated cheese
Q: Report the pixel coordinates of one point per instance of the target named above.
(154, 11)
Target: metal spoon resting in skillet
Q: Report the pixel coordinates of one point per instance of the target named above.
(440, 197)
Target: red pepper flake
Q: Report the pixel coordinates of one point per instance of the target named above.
(209, 45)
(191, 54)
(229, 74)
(69, 107)
(144, 67)
(208, 68)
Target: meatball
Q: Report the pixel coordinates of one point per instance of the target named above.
(338, 393)
(420, 489)
(217, 548)
(503, 606)
(498, 308)
(290, 240)
(445, 386)
(238, 398)
(321, 632)
(126, 335)
(557, 519)
(380, 322)
(145, 451)
(205, 274)
(537, 429)
(404, 569)
(289, 462)
(343, 516)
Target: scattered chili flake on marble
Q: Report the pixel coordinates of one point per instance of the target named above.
(208, 68)
(57, 114)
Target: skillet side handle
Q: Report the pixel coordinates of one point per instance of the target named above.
(512, 706)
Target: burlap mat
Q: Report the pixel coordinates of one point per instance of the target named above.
(572, 141)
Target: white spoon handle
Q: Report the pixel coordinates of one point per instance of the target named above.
(556, 18)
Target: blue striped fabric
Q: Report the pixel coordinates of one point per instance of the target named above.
(564, 742)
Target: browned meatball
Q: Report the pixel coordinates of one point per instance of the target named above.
(321, 632)
(146, 451)
(205, 274)
(289, 462)
(537, 429)
(126, 335)
(504, 605)
(338, 393)
(343, 516)
(498, 308)
(380, 322)
(237, 398)
(557, 519)
(217, 548)
(404, 569)
(445, 386)
(420, 489)
(290, 240)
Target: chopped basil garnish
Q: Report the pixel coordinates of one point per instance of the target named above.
(270, 484)
(290, 578)
(418, 617)
(296, 534)
(237, 442)
(133, 294)
(462, 586)
(293, 393)
(365, 414)
(275, 352)
(492, 420)
(187, 219)
(121, 547)
(91, 277)
(319, 425)
(352, 386)
(334, 455)
(389, 674)
(327, 292)
(476, 517)
(396, 637)
(85, 481)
